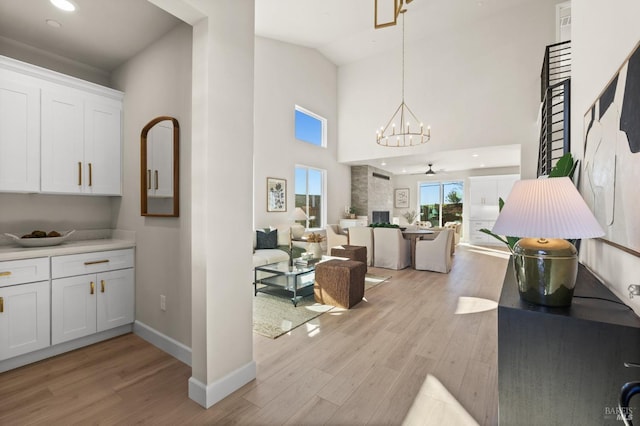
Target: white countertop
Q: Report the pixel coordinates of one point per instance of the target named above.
(15, 252)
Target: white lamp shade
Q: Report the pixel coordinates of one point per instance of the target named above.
(299, 214)
(546, 208)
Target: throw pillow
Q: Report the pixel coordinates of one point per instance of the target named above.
(266, 239)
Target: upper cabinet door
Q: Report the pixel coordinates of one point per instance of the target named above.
(62, 142)
(19, 136)
(102, 146)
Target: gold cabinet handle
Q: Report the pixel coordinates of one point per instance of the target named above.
(95, 262)
(90, 174)
(1, 305)
(93, 288)
(156, 178)
(79, 173)
(5, 273)
(148, 179)
(102, 286)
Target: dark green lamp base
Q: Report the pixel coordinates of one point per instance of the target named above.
(546, 271)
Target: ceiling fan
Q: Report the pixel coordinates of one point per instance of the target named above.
(430, 171)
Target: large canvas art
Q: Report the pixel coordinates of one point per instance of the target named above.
(611, 173)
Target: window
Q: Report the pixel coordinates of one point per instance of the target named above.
(310, 194)
(441, 202)
(310, 127)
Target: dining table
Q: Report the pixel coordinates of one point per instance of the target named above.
(413, 235)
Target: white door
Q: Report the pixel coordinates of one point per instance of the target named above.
(19, 136)
(116, 298)
(24, 318)
(102, 136)
(73, 308)
(62, 142)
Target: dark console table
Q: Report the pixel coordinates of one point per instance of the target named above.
(565, 366)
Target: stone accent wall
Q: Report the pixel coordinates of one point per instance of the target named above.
(369, 193)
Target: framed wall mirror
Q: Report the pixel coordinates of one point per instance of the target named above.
(159, 171)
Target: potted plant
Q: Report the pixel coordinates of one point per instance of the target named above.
(352, 212)
(411, 216)
(314, 246)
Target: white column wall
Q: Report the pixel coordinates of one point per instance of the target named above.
(222, 188)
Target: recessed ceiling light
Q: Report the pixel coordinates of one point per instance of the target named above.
(53, 23)
(404, 170)
(65, 5)
(481, 165)
(474, 155)
(383, 164)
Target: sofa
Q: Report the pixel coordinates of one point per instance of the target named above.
(272, 250)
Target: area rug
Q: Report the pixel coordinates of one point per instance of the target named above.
(275, 315)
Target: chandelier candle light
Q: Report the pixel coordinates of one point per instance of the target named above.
(405, 133)
(543, 212)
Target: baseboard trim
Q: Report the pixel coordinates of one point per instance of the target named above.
(63, 347)
(164, 342)
(216, 391)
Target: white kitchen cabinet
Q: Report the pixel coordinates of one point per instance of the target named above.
(87, 304)
(477, 237)
(24, 306)
(160, 160)
(484, 193)
(91, 292)
(81, 143)
(19, 133)
(58, 134)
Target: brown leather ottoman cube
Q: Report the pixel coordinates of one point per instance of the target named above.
(339, 282)
(358, 253)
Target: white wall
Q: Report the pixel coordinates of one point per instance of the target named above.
(475, 86)
(603, 36)
(286, 75)
(23, 213)
(44, 59)
(157, 82)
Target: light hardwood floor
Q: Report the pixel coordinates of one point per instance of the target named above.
(402, 355)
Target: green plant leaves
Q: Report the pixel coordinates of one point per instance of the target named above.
(564, 167)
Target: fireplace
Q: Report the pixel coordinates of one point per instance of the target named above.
(379, 217)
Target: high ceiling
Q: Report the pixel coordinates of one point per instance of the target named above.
(105, 33)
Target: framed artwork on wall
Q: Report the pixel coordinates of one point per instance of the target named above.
(276, 195)
(401, 198)
(611, 165)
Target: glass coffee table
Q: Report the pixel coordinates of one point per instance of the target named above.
(297, 279)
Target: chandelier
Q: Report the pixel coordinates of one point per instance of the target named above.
(404, 128)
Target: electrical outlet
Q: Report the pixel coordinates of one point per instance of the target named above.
(163, 302)
(634, 290)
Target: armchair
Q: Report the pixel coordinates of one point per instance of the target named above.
(362, 236)
(435, 255)
(390, 249)
(335, 237)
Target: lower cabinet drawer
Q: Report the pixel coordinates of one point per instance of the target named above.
(89, 263)
(24, 271)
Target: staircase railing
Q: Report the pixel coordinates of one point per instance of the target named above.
(555, 127)
(556, 66)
